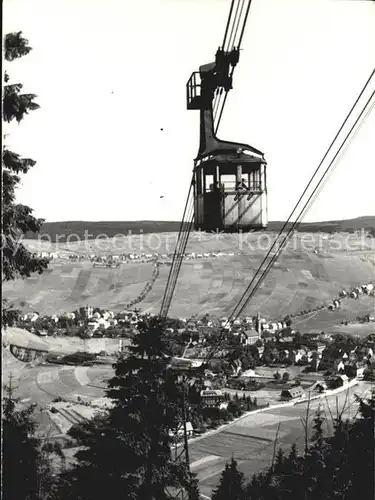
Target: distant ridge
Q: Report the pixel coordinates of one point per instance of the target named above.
(332, 226)
(93, 229)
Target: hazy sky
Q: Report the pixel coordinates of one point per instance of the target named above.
(110, 74)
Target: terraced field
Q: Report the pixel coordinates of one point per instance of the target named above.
(66, 286)
(300, 280)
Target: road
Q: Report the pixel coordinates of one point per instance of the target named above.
(250, 440)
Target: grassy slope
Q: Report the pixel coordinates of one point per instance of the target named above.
(66, 286)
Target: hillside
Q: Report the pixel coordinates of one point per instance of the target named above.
(300, 280)
(348, 225)
(113, 228)
(109, 228)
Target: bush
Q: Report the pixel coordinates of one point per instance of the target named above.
(234, 408)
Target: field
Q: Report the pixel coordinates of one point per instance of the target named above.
(66, 286)
(301, 279)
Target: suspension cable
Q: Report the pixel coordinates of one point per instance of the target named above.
(338, 159)
(164, 309)
(226, 29)
(232, 70)
(244, 23)
(178, 256)
(184, 235)
(307, 205)
(234, 22)
(238, 24)
(238, 308)
(313, 176)
(175, 266)
(179, 260)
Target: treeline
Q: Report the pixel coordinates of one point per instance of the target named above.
(62, 230)
(349, 225)
(105, 229)
(336, 467)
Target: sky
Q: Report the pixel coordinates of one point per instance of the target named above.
(113, 134)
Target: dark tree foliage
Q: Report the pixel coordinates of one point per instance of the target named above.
(17, 219)
(231, 485)
(127, 453)
(340, 467)
(27, 472)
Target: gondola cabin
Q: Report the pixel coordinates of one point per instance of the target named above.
(230, 193)
(230, 186)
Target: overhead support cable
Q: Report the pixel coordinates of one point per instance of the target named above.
(177, 260)
(180, 244)
(244, 23)
(236, 29)
(228, 22)
(244, 300)
(303, 211)
(227, 49)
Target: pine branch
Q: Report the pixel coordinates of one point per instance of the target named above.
(16, 105)
(16, 46)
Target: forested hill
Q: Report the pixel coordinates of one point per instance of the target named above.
(112, 228)
(333, 226)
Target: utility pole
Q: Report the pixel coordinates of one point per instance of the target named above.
(184, 386)
(182, 494)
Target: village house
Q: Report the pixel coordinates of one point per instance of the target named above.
(249, 337)
(292, 393)
(31, 316)
(180, 430)
(212, 397)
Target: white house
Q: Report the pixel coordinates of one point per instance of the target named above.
(32, 316)
(93, 325)
(180, 430)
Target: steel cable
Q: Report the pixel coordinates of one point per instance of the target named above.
(238, 308)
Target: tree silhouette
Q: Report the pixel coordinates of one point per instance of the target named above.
(231, 485)
(127, 452)
(337, 467)
(27, 470)
(17, 219)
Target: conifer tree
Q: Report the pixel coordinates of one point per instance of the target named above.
(332, 468)
(17, 219)
(27, 470)
(231, 485)
(128, 452)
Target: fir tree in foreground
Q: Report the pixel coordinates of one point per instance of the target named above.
(339, 467)
(17, 219)
(27, 470)
(231, 485)
(128, 452)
